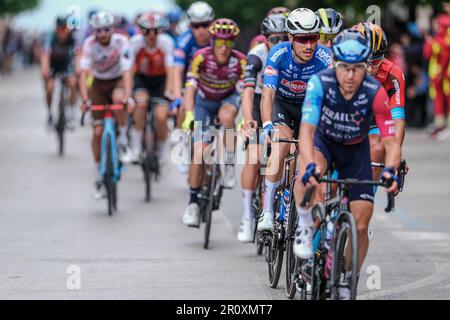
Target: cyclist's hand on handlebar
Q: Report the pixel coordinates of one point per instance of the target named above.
(391, 180)
(311, 175)
(249, 127)
(175, 105)
(267, 132)
(129, 104)
(85, 105)
(406, 168)
(188, 119)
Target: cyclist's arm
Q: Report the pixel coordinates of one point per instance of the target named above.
(397, 102)
(270, 84)
(247, 103)
(45, 63)
(192, 82)
(267, 98)
(178, 71)
(126, 64)
(85, 65)
(385, 123)
(254, 66)
(45, 57)
(311, 110)
(83, 86)
(169, 48)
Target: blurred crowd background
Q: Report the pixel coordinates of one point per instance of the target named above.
(408, 25)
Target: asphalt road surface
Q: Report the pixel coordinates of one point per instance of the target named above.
(56, 242)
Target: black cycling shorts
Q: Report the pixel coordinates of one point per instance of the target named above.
(155, 86)
(287, 113)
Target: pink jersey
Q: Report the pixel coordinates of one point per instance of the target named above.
(216, 81)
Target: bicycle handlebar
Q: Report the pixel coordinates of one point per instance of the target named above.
(306, 202)
(113, 107)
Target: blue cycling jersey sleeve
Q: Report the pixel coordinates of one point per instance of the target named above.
(185, 46)
(271, 71)
(312, 105)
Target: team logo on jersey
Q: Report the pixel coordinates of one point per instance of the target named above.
(295, 86)
(270, 71)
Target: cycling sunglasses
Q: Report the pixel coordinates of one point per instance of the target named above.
(346, 67)
(203, 25)
(148, 31)
(376, 62)
(313, 38)
(100, 30)
(221, 42)
(277, 39)
(327, 37)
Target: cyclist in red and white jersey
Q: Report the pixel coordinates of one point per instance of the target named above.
(107, 55)
(152, 53)
(392, 79)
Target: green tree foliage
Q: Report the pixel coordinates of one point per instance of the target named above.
(15, 6)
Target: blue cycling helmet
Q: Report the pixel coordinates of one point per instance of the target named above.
(174, 15)
(350, 46)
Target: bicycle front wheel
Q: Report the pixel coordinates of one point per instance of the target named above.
(291, 260)
(109, 179)
(345, 240)
(210, 205)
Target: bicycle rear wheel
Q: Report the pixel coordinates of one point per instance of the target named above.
(210, 205)
(345, 242)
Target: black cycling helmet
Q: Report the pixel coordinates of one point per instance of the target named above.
(275, 23)
(61, 21)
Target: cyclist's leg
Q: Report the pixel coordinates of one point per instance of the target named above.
(122, 122)
(304, 233)
(161, 109)
(98, 96)
(377, 152)
(354, 162)
(205, 112)
(249, 177)
(142, 98)
(282, 122)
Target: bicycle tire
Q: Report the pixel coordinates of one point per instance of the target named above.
(109, 177)
(291, 260)
(345, 224)
(61, 124)
(276, 249)
(147, 178)
(210, 206)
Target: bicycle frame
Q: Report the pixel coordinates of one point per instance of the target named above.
(109, 129)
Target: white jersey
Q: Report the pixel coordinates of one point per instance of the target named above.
(261, 52)
(106, 62)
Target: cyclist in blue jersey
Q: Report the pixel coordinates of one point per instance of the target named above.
(337, 112)
(200, 15)
(289, 67)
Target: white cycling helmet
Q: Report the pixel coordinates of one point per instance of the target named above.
(302, 21)
(200, 12)
(102, 19)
